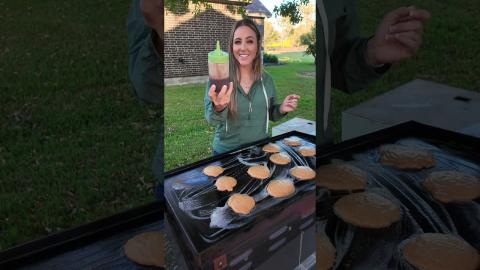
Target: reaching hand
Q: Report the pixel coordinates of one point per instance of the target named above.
(153, 12)
(289, 104)
(221, 99)
(398, 36)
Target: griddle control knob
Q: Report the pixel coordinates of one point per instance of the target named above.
(220, 262)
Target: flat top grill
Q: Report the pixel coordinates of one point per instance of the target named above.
(201, 210)
(359, 248)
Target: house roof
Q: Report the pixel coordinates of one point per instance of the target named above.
(257, 7)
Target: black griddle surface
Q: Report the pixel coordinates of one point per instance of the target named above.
(192, 196)
(359, 248)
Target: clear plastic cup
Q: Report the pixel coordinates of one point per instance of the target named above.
(218, 68)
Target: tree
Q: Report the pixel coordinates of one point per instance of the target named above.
(181, 6)
(309, 40)
(306, 24)
(288, 31)
(271, 35)
(291, 9)
(288, 8)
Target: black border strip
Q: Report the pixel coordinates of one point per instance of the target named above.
(69, 239)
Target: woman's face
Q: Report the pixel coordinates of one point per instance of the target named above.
(245, 45)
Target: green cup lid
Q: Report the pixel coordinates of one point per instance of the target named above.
(218, 56)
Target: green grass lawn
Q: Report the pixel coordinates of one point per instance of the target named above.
(188, 137)
(294, 57)
(75, 144)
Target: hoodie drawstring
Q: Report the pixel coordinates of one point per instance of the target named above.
(251, 110)
(266, 100)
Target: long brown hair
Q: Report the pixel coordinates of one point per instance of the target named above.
(235, 75)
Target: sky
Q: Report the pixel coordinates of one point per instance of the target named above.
(270, 4)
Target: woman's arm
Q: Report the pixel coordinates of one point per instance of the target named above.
(274, 111)
(145, 51)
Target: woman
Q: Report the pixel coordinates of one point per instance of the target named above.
(242, 110)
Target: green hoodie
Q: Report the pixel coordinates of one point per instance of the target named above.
(250, 125)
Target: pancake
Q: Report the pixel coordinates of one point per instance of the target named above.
(307, 151)
(367, 210)
(341, 177)
(292, 142)
(452, 186)
(271, 148)
(259, 172)
(146, 249)
(280, 188)
(225, 183)
(325, 252)
(280, 158)
(406, 157)
(213, 170)
(302, 172)
(436, 251)
(241, 203)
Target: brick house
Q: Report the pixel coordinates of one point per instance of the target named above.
(189, 38)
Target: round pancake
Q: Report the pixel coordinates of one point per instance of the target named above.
(406, 157)
(259, 172)
(436, 251)
(367, 210)
(341, 177)
(213, 170)
(452, 186)
(241, 203)
(302, 172)
(325, 252)
(280, 158)
(271, 148)
(292, 142)
(225, 183)
(307, 151)
(146, 249)
(280, 188)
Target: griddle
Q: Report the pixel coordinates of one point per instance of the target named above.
(192, 200)
(95, 245)
(359, 248)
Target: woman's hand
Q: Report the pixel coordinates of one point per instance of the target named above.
(289, 104)
(221, 99)
(398, 37)
(153, 12)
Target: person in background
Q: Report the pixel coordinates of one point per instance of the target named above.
(145, 65)
(242, 110)
(348, 62)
